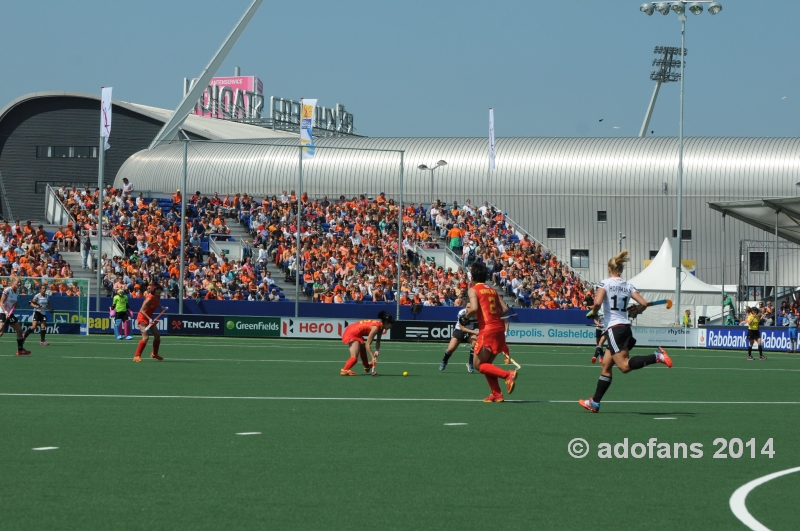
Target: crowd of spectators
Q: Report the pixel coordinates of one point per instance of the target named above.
(348, 248)
(28, 251)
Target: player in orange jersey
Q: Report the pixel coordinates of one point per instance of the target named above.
(144, 319)
(486, 304)
(354, 336)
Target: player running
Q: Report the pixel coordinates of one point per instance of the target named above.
(599, 337)
(354, 336)
(489, 308)
(463, 333)
(120, 314)
(41, 305)
(754, 333)
(8, 302)
(144, 321)
(613, 295)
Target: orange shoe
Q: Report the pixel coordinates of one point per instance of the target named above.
(137, 359)
(347, 372)
(23, 352)
(590, 404)
(663, 357)
(511, 382)
(156, 356)
(494, 398)
(367, 368)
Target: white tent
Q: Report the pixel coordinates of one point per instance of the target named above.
(657, 282)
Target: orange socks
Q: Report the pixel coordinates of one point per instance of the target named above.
(156, 344)
(494, 370)
(140, 348)
(350, 363)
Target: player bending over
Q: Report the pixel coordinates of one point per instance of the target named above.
(463, 333)
(754, 333)
(8, 302)
(354, 335)
(613, 295)
(41, 305)
(145, 322)
(489, 308)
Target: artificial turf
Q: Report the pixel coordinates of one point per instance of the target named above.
(156, 451)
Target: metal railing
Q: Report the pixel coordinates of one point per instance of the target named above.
(520, 231)
(54, 210)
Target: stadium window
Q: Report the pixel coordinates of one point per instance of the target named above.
(556, 234)
(602, 216)
(67, 152)
(653, 254)
(579, 258)
(686, 234)
(759, 262)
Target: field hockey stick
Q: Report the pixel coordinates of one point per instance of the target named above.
(511, 361)
(661, 302)
(509, 316)
(375, 363)
(154, 321)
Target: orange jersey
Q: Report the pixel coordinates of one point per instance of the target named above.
(362, 328)
(150, 304)
(489, 312)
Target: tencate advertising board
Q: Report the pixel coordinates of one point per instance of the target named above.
(318, 328)
(735, 338)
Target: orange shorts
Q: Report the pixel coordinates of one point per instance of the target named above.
(349, 338)
(493, 340)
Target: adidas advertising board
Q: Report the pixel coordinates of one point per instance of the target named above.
(735, 338)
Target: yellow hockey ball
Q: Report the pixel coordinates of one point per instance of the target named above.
(405, 374)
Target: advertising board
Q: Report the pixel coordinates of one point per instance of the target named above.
(735, 338)
(196, 325)
(319, 328)
(253, 326)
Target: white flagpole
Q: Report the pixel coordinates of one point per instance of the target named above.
(105, 132)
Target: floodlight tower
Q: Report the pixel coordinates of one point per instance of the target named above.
(664, 74)
(680, 7)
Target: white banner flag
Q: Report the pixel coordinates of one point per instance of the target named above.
(105, 115)
(491, 139)
(306, 128)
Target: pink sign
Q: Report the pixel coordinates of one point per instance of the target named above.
(233, 97)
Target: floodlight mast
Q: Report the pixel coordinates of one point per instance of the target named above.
(664, 74)
(680, 7)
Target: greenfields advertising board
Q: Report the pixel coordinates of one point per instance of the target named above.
(253, 326)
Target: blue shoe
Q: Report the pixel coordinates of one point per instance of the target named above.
(129, 337)
(443, 366)
(590, 404)
(119, 337)
(470, 367)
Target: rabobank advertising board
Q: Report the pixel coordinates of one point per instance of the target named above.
(735, 338)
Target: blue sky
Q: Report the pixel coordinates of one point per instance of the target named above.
(429, 68)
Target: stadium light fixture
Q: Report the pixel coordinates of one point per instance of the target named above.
(696, 8)
(431, 169)
(662, 7)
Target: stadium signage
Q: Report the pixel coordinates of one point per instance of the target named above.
(735, 338)
(196, 325)
(285, 112)
(253, 326)
(423, 330)
(237, 97)
(320, 328)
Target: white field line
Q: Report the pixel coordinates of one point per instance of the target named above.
(239, 360)
(46, 448)
(376, 399)
(737, 501)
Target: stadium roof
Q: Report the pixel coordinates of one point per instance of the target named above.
(760, 213)
(208, 128)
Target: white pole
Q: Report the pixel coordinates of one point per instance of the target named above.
(399, 239)
(775, 270)
(100, 180)
(299, 221)
(679, 239)
(184, 236)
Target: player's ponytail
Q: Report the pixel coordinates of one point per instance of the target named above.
(385, 318)
(617, 264)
